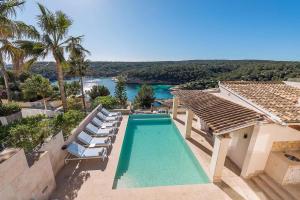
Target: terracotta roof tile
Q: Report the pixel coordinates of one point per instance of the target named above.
(219, 114)
(276, 97)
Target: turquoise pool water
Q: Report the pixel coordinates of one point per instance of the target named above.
(155, 154)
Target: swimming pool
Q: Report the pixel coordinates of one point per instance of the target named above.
(155, 154)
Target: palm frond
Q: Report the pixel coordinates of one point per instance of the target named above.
(8, 7)
(63, 23)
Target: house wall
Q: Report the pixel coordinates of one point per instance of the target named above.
(239, 145)
(19, 181)
(261, 143)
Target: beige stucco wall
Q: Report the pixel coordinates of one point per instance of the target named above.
(239, 145)
(261, 143)
(23, 182)
(56, 154)
(282, 170)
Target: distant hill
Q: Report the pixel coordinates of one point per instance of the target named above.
(193, 72)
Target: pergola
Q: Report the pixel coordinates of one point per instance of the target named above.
(221, 118)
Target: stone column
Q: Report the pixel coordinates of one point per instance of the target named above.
(175, 107)
(219, 155)
(188, 123)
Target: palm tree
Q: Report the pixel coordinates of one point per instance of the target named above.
(54, 39)
(78, 62)
(11, 29)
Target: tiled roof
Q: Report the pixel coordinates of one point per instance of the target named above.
(219, 114)
(276, 97)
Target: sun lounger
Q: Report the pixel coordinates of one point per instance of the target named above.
(93, 141)
(101, 116)
(79, 152)
(101, 124)
(110, 114)
(102, 132)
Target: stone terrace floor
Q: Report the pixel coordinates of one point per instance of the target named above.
(92, 179)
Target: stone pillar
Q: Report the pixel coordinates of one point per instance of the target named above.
(175, 107)
(253, 151)
(188, 123)
(219, 155)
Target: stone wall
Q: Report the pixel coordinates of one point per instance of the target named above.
(285, 146)
(4, 120)
(27, 112)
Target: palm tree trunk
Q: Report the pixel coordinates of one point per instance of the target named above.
(60, 79)
(82, 94)
(6, 80)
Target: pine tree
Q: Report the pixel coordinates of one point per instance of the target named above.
(145, 97)
(120, 91)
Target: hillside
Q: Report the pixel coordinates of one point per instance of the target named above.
(196, 73)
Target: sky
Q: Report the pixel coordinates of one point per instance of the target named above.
(155, 30)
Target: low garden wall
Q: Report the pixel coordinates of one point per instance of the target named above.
(4, 120)
(27, 112)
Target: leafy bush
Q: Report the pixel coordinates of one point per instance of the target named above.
(29, 132)
(98, 90)
(37, 86)
(8, 109)
(68, 121)
(72, 88)
(106, 101)
(74, 103)
(26, 133)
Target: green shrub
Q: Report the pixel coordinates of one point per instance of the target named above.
(108, 102)
(26, 133)
(74, 103)
(67, 121)
(72, 88)
(98, 90)
(8, 109)
(29, 132)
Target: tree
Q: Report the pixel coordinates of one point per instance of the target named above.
(145, 97)
(54, 39)
(78, 63)
(11, 29)
(98, 90)
(108, 102)
(37, 85)
(72, 88)
(120, 91)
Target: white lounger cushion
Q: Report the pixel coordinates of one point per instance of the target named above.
(89, 140)
(93, 152)
(102, 124)
(90, 127)
(80, 151)
(110, 114)
(105, 118)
